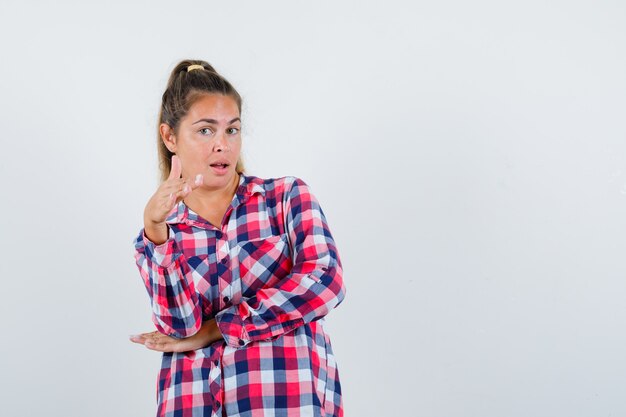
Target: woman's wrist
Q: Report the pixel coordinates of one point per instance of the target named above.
(156, 233)
(213, 332)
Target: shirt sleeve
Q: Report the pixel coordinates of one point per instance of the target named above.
(167, 278)
(312, 288)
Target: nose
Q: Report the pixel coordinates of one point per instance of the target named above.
(220, 144)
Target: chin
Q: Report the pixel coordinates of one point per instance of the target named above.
(227, 178)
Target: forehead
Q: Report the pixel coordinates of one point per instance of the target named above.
(213, 106)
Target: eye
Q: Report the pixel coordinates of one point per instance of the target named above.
(234, 129)
(205, 129)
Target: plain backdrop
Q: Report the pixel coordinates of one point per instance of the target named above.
(470, 158)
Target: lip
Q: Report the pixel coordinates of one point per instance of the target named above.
(220, 161)
(220, 170)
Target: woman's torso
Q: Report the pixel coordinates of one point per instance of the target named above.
(295, 374)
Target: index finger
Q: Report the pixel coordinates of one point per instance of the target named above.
(176, 168)
(137, 338)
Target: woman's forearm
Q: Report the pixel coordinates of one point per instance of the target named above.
(210, 332)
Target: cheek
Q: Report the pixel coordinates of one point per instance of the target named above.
(195, 157)
(236, 146)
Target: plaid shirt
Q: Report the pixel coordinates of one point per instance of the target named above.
(268, 275)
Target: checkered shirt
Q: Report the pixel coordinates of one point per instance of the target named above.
(268, 275)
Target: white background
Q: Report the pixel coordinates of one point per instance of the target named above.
(470, 158)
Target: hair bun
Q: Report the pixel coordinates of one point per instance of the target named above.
(194, 66)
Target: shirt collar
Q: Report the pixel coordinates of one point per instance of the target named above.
(248, 186)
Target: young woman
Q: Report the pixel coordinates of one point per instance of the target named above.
(241, 271)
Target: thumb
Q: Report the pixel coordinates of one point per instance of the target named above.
(176, 169)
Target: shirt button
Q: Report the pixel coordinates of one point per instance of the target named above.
(217, 403)
(215, 362)
(241, 342)
(224, 260)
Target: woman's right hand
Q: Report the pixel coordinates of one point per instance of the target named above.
(169, 193)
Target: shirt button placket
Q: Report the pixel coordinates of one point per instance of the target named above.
(224, 250)
(215, 389)
(224, 261)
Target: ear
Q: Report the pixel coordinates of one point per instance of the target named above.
(168, 137)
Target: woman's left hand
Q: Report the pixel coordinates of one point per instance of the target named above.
(207, 334)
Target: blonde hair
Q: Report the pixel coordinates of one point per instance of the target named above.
(183, 89)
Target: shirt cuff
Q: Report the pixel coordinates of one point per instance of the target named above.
(231, 325)
(164, 254)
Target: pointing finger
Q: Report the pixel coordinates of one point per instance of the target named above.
(176, 169)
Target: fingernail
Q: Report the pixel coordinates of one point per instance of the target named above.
(198, 179)
(186, 189)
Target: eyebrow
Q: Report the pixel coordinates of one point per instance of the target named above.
(215, 121)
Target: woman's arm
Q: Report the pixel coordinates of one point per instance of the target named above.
(207, 334)
(167, 277)
(164, 269)
(313, 287)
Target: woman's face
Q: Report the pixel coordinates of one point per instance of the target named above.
(210, 133)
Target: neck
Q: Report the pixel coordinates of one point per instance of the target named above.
(206, 197)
